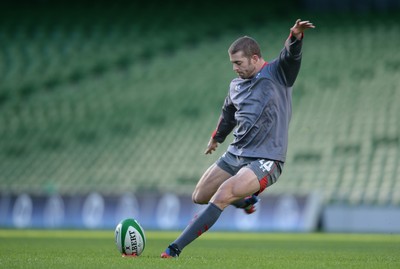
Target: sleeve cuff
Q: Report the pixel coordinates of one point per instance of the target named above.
(291, 36)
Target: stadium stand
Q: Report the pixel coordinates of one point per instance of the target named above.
(109, 102)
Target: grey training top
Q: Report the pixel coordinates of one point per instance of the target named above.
(261, 107)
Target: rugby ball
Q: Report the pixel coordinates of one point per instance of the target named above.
(130, 238)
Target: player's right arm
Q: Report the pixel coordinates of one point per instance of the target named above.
(225, 125)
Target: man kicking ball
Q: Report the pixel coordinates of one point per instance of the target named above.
(259, 105)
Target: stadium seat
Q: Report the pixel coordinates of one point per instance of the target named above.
(112, 103)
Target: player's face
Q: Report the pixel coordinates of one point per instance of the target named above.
(244, 67)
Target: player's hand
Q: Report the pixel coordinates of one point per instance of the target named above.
(212, 146)
(299, 27)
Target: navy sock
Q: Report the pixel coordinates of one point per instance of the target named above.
(245, 202)
(241, 203)
(199, 224)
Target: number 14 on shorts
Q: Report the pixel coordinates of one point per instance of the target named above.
(266, 165)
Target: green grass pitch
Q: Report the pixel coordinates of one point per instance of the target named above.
(96, 249)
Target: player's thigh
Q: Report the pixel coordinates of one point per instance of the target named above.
(243, 184)
(209, 184)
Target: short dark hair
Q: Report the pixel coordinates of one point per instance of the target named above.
(248, 45)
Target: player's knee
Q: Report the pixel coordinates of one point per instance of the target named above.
(197, 198)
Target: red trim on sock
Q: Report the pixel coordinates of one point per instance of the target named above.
(200, 232)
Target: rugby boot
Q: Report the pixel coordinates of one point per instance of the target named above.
(172, 251)
(251, 201)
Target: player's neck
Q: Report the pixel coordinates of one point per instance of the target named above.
(262, 64)
(259, 65)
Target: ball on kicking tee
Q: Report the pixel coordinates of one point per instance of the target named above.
(130, 238)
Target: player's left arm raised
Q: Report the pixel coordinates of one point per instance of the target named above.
(290, 57)
(299, 27)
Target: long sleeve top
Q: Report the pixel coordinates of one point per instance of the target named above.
(261, 107)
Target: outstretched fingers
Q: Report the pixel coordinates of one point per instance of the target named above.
(300, 26)
(304, 24)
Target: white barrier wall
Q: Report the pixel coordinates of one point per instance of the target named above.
(154, 211)
(361, 219)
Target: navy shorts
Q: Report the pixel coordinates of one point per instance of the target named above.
(266, 170)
